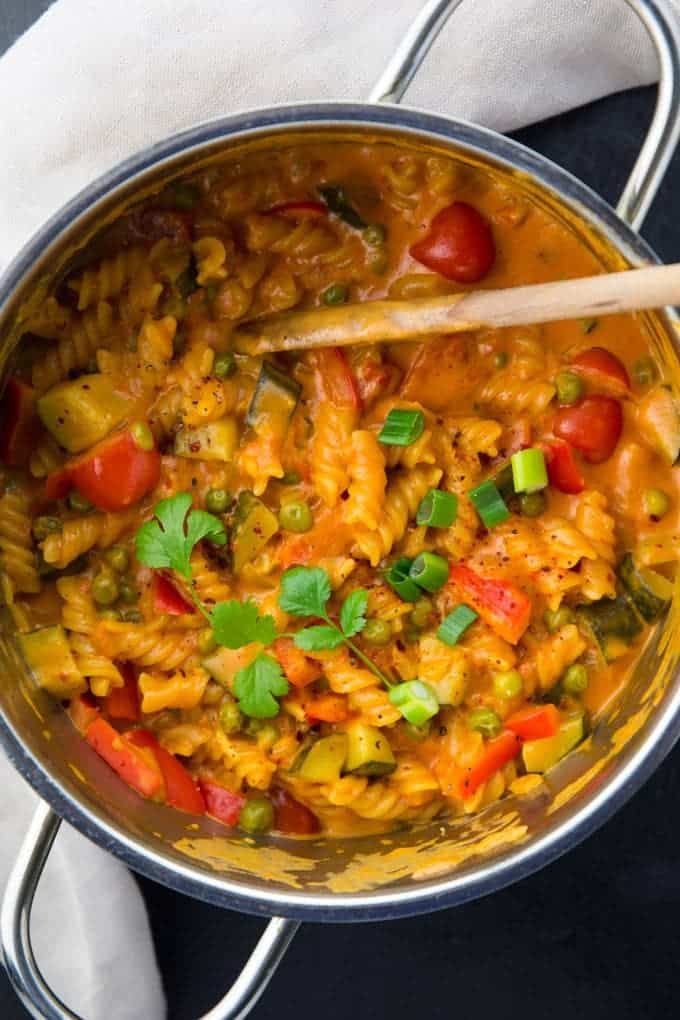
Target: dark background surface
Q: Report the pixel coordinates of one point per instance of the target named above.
(595, 935)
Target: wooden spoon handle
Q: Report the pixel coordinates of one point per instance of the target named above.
(393, 321)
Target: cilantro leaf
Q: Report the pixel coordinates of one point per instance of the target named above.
(305, 591)
(258, 685)
(163, 542)
(239, 623)
(353, 612)
(317, 639)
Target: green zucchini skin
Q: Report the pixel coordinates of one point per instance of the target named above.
(649, 591)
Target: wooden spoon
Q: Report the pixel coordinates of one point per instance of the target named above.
(392, 321)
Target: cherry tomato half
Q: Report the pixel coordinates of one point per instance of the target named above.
(603, 369)
(563, 471)
(290, 816)
(459, 244)
(593, 426)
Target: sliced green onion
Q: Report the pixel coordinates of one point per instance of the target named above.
(438, 509)
(416, 701)
(453, 626)
(398, 578)
(430, 571)
(401, 428)
(529, 473)
(489, 504)
(503, 482)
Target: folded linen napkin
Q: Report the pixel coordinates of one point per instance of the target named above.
(91, 83)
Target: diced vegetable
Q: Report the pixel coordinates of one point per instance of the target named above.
(563, 471)
(214, 441)
(612, 622)
(217, 501)
(459, 244)
(336, 200)
(324, 761)
(335, 379)
(296, 516)
(569, 387)
(534, 722)
(330, 708)
(136, 766)
(402, 427)
(291, 817)
(650, 591)
(257, 815)
(593, 426)
(488, 503)
(124, 702)
(181, 789)
(368, 751)
(453, 626)
(532, 504)
(645, 371)
(275, 398)
(398, 578)
(541, 755)
(416, 701)
(659, 420)
(299, 669)
(48, 654)
(224, 663)
(438, 509)
(500, 603)
(508, 684)
(378, 632)
(19, 425)
(254, 525)
(493, 756)
(485, 721)
(221, 803)
(114, 474)
(168, 599)
(528, 470)
(83, 710)
(80, 412)
(336, 294)
(430, 571)
(575, 680)
(504, 484)
(602, 369)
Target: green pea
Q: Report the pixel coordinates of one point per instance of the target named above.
(224, 365)
(417, 733)
(217, 501)
(78, 503)
(645, 371)
(142, 435)
(267, 735)
(569, 387)
(44, 526)
(117, 558)
(230, 716)
(336, 294)
(375, 234)
(421, 614)
(109, 614)
(257, 815)
(290, 478)
(377, 632)
(588, 325)
(554, 621)
(485, 721)
(296, 516)
(131, 616)
(206, 641)
(127, 591)
(105, 588)
(507, 684)
(575, 680)
(657, 503)
(500, 359)
(378, 261)
(253, 727)
(532, 504)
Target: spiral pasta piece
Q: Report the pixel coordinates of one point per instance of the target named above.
(148, 644)
(596, 524)
(46, 458)
(80, 618)
(183, 689)
(404, 494)
(332, 436)
(17, 557)
(75, 350)
(367, 480)
(208, 583)
(550, 658)
(108, 278)
(80, 534)
(210, 258)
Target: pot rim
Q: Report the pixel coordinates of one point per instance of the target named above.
(437, 893)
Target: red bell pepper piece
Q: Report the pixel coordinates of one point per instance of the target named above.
(167, 599)
(459, 244)
(329, 708)
(500, 603)
(290, 816)
(83, 710)
(603, 369)
(135, 766)
(335, 379)
(593, 426)
(181, 789)
(20, 426)
(113, 475)
(58, 484)
(305, 209)
(299, 669)
(123, 702)
(493, 756)
(221, 803)
(563, 471)
(534, 722)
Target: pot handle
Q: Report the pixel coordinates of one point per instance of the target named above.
(24, 973)
(661, 22)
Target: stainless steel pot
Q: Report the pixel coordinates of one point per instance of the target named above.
(362, 879)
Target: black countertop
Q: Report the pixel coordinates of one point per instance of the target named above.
(594, 935)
